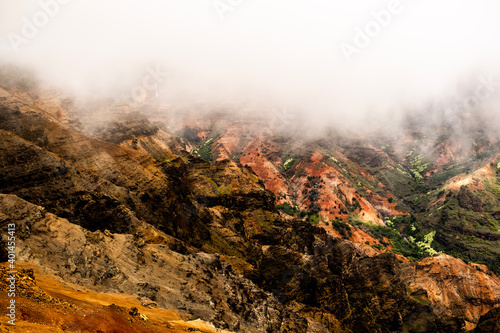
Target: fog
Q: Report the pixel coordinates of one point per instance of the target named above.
(359, 63)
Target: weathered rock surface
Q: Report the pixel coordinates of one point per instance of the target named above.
(198, 285)
(459, 289)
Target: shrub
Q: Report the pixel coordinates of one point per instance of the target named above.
(313, 218)
(343, 228)
(288, 164)
(287, 209)
(204, 150)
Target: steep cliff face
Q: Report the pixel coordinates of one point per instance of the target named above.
(199, 285)
(318, 183)
(265, 160)
(464, 214)
(88, 181)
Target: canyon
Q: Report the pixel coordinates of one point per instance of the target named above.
(213, 224)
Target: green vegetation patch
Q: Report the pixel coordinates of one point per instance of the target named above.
(313, 218)
(288, 164)
(204, 150)
(420, 300)
(343, 228)
(406, 246)
(287, 209)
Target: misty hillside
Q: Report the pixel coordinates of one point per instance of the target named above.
(243, 225)
(406, 187)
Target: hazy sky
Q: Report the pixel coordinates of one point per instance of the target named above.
(334, 58)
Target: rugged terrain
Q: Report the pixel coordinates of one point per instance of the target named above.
(258, 233)
(421, 182)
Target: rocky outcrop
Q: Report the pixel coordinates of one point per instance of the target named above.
(317, 183)
(458, 289)
(263, 158)
(77, 309)
(198, 285)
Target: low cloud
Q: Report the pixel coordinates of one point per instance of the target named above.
(360, 64)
